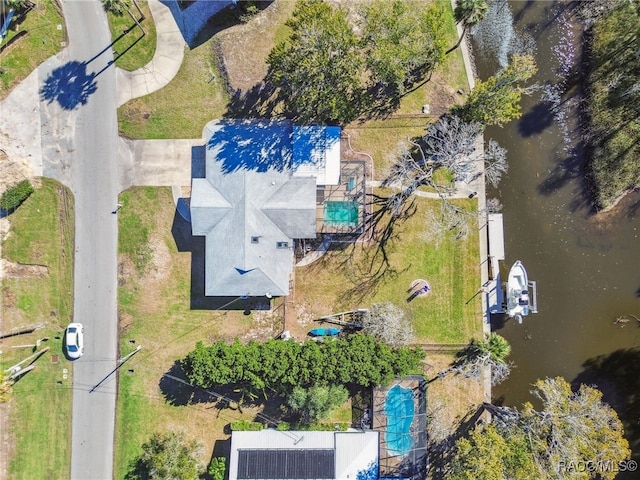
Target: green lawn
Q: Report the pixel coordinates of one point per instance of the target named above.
(31, 39)
(155, 312)
(451, 267)
(135, 32)
(41, 234)
(184, 106)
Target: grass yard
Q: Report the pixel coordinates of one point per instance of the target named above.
(198, 94)
(154, 311)
(31, 39)
(452, 268)
(136, 44)
(182, 108)
(37, 291)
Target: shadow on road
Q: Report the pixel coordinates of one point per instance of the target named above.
(70, 85)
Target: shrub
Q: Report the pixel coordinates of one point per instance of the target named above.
(248, 11)
(217, 468)
(14, 196)
(245, 425)
(325, 427)
(284, 426)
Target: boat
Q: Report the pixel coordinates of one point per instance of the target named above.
(518, 302)
(324, 332)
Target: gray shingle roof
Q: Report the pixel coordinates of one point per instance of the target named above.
(250, 216)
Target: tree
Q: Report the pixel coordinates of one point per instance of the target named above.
(490, 453)
(16, 4)
(497, 100)
(491, 352)
(451, 145)
(574, 427)
(387, 322)
(116, 7)
(468, 13)
(319, 70)
(401, 42)
(316, 403)
(217, 468)
(166, 457)
(574, 436)
(494, 162)
(359, 359)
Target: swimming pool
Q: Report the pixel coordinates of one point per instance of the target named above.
(399, 409)
(340, 213)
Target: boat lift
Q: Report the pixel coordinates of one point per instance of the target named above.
(496, 296)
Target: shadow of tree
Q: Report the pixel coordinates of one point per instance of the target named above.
(571, 169)
(177, 391)
(441, 452)
(70, 85)
(199, 21)
(536, 120)
(617, 376)
(258, 102)
(498, 321)
(267, 145)
(251, 145)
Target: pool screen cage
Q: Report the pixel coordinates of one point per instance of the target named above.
(412, 464)
(342, 208)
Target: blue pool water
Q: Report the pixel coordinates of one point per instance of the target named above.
(340, 213)
(400, 410)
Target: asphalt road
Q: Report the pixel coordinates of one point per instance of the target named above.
(88, 122)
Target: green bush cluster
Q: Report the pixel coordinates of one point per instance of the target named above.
(325, 427)
(246, 426)
(14, 196)
(281, 366)
(217, 468)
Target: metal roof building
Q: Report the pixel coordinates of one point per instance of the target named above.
(293, 455)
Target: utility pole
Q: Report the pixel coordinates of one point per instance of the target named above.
(120, 363)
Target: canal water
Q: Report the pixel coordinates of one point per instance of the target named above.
(587, 267)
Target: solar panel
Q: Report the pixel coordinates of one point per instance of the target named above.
(286, 464)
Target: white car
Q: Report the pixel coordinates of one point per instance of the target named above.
(74, 341)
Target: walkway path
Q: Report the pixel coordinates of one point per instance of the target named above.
(166, 61)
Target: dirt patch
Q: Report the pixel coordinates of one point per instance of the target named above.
(441, 96)
(257, 36)
(19, 270)
(451, 398)
(266, 324)
(161, 261)
(299, 319)
(11, 171)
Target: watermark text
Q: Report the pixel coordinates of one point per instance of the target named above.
(597, 466)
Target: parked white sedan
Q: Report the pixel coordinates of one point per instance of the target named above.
(74, 341)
